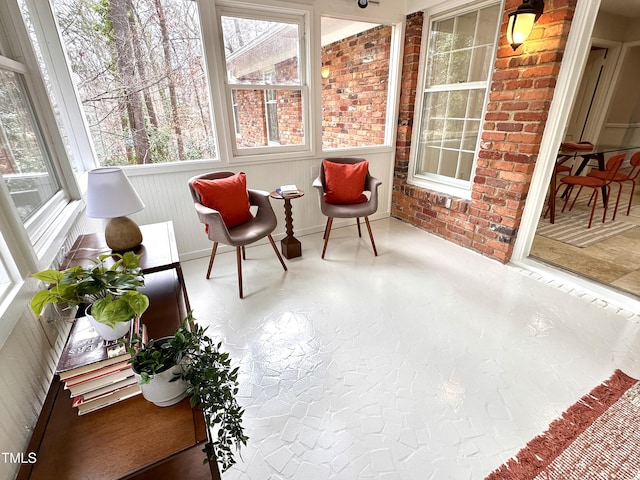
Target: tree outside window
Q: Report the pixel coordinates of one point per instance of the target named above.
(139, 73)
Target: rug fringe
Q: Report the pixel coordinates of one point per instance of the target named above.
(544, 448)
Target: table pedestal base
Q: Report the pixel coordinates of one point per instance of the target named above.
(291, 247)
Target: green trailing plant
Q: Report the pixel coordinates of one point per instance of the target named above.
(109, 285)
(212, 383)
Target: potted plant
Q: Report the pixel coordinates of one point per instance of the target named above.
(108, 289)
(198, 370)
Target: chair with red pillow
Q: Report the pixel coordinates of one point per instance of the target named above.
(222, 201)
(341, 185)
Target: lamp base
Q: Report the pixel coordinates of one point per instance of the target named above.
(122, 234)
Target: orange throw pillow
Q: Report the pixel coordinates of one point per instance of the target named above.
(344, 182)
(228, 196)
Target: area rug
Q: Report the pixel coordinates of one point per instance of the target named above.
(598, 438)
(572, 228)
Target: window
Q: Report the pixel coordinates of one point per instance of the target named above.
(28, 150)
(139, 73)
(24, 160)
(265, 80)
(457, 65)
(356, 60)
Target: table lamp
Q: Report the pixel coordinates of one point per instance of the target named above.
(111, 195)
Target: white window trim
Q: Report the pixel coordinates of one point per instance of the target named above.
(449, 186)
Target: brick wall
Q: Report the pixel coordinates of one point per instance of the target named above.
(520, 95)
(252, 110)
(354, 96)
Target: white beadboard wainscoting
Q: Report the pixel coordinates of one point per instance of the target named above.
(166, 197)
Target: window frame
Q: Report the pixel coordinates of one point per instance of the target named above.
(29, 246)
(276, 14)
(441, 183)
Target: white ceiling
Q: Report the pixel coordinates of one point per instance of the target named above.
(625, 8)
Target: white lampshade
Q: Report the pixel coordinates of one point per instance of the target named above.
(110, 194)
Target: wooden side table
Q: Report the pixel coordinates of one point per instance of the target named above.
(132, 439)
(290, 245)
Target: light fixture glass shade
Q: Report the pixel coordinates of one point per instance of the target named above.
(519, 28)
(110, 194)
(325, 71)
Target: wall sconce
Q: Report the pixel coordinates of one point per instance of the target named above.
(325, 71)
(521, 21)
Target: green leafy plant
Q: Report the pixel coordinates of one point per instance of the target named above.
(110, 288)
(212, 384)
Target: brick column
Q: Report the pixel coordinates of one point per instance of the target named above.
(522, 87)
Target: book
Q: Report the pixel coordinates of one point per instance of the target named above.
(99, 382)
(86, 351)
(116, 367)
(103, 391)
(287, 190)
(110, 399)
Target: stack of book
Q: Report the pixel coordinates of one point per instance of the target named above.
(96, 372)
(288, 191)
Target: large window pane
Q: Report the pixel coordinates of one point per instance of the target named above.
(25, 164)
(139, 73)
(455, 86)
(355, 83)
(268, 117)
(261, 51)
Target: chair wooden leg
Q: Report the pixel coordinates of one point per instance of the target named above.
(326, 235)
(213, 255)
(326, 226)
(275, 249)
(244, 253)
(239, 260)
(373, 244)
(358, 222)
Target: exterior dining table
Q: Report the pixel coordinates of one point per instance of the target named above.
(597, 153)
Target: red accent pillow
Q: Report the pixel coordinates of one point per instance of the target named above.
(344, 182)
(228, 196)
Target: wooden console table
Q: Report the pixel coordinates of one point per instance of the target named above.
(132, 439)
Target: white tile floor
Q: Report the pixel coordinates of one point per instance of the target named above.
(426, 362)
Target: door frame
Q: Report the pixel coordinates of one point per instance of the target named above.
(579, 44)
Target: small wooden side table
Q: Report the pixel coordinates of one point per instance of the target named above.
(290, 245)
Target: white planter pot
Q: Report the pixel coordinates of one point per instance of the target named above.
(160, 391)
(108, 333)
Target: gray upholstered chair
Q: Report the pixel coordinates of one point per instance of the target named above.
(261, 225)
(351, 210)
